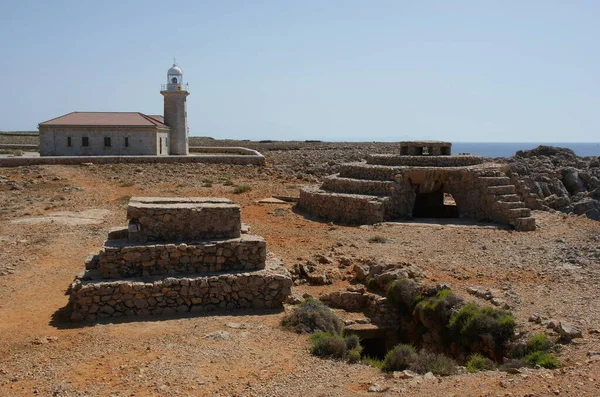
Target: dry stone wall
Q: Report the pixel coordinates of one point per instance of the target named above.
(129, 277)
(424, 161)
(267, 288)
(122, 259)
(173, 219)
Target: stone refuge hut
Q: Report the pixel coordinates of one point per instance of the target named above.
(417, 183)
(123, 133)
(179, 255)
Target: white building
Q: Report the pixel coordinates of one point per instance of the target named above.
(122, 133)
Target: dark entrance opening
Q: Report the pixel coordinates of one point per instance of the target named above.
(435, 205)
(374, 348)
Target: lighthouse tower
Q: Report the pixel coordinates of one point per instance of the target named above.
(175, 93)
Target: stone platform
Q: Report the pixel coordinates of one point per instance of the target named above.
(179, 255)
(396, 186)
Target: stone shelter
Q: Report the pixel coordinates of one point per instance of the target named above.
(123, 133)
(179, 255)
(424, 180)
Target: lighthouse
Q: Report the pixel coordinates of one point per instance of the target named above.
(175, 93)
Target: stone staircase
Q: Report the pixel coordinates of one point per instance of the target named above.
(369, 193)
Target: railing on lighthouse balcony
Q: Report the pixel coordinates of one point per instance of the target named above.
(175, 87)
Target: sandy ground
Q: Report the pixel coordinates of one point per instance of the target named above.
(554, 271)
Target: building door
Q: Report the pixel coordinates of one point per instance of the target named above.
(160, 146)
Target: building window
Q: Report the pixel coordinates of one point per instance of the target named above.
(68, 141)
(159, 145)
(126, 141)
(85, 141)
(106, 141)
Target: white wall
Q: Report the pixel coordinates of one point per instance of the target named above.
(54, 142)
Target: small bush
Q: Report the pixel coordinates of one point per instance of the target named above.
(312, 315)
(403, 294)
(438, 364)
(126, 184)
(352, 341)
(399, 358)
(538, 342)
(227, 182)
(546, 360)
(326, 344)
(378, 240)
(354, 355)
(435, 311)
(472, 323)
(207, 181)
(372, 284)
(374, 362)
(477, 363)
(241, 189)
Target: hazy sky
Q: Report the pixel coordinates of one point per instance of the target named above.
(330, 70)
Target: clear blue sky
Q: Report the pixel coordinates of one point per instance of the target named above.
(331, 70)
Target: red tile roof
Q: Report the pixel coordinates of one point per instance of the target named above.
(108, 119)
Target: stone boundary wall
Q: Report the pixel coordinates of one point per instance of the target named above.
(424, 161)
(171, 219)
(22, 146)
(339, 207)
(357, 186)
(222, 149)
(118, 259)
(171, 159)
(93, 300)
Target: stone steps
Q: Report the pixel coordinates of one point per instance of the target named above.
(514, 213)
(92, 298)
(343, 207)
(495, 180)
(524, 224)
(510, 204)
(367, 172)
(508, 198)
(337, 184)
(501, 189)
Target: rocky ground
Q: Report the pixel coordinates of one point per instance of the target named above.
(51, 217)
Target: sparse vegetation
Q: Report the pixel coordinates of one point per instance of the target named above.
(399, 358)
(241, 189)
(436, 363)
(478, 362)
(472, 324)
(543, 359)
(126, 184)
(403, 294)
(435, 311)
(328, 344)
(227, 182)
(312, 315)
(373, 362)
(538, 342)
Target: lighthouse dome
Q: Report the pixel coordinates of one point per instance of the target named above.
(175, 71)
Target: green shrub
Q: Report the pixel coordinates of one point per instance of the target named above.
(352, 341)
(546, 360)
(477, 363)
(435, 311)
(207, 181)
(438, 364)
(372, 284)
(399, 358)
(241, 189)
(312, 315)
(374, 362)
(326, 344)
(472, 323)
(538, 342)
(227, 182)
(354, 355)
(403, 294)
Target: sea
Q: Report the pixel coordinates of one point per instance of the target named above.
(508, 149)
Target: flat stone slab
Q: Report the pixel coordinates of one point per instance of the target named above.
(271, 200)
(182, 219)
(87, 217)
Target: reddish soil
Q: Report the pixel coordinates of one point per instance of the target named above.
(554, 271)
